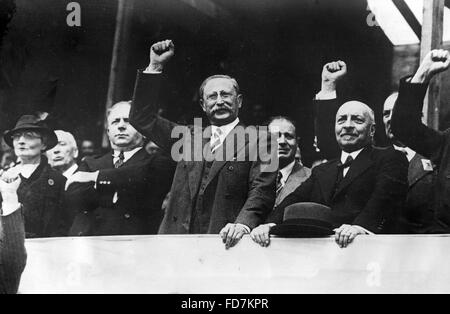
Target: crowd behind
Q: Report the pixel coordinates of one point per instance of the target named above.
(137, 188)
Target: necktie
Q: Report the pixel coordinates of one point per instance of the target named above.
(279, 183)
(215, 140)
(341, 167)
(120, 161)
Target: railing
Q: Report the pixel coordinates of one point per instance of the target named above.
(200, 264)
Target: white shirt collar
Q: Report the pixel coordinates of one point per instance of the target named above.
(226, 129)
(69, 172)
(354, 154)
(27, 170)
(409, 152)
(127, 154)
(286, 172)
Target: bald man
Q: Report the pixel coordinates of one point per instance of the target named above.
(365, 186)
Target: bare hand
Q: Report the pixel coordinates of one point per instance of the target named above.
(435, 62)
(345, 234)
(160, 53)
(261, 234)
(10, 175)
(333, 72)
(10, 187)
(231, 234)
(81, 177)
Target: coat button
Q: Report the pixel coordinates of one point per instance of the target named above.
(51, 182)
(127, 216)
(80, 234)
(230, 168)
(85, 212)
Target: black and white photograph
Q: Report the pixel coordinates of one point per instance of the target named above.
(224, 152)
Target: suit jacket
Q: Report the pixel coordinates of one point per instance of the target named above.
(408, 128)
(13, 255)
(234, 191)
(417, 214)
(370, 195)
(141, 185)
(298, 175)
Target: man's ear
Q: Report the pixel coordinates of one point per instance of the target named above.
(239, 100)
(202, 104)
(75, 153)
(372, 130)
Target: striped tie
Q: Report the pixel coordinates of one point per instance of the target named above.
(120, 161)
(279, 183)
(215, 140)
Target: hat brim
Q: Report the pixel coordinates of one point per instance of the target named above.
(301, 231)
(52, 139)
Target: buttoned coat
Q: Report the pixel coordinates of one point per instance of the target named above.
(13, 255)
(233, 192)
(141, 185)
(371, 194)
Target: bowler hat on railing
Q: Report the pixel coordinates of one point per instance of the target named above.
(32, 123)
(305, 220)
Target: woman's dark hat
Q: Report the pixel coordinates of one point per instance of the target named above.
(305, 220)
(32, 123)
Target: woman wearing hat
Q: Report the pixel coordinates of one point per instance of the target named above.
(41, 191)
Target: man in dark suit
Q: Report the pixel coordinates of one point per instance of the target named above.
(407, 126)
(121, 192)
(292, 173)
(417, 214)
(365, 186)
(12, 238)
(226, 196)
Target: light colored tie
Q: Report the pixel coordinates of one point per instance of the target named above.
(215, 139)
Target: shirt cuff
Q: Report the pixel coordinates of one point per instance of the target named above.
(148, 70)
(323, 95)
(363, 230)
(247, 229)
(10, 207)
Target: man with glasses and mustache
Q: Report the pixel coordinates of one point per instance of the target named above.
(226, 197)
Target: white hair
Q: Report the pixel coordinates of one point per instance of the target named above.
(69, 139)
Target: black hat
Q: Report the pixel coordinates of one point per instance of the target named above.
(305, 220)
(32, 123)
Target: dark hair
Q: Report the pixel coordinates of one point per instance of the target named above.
(233, 81)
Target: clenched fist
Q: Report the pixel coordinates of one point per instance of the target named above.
(332, 72)
(436, 61)
(160, 53)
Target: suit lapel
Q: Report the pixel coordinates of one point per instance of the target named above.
(293, 181)
(195, 168)
(416, 171)
(358, 167)
(327, 179)
(221, 152)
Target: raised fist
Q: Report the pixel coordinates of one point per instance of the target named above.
(436, 61)
(334, 71)
(160, 53)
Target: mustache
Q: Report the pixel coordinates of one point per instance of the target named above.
(221, 108)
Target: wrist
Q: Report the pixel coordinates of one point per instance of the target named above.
(154, 68)
(328, 86)
(421, 77)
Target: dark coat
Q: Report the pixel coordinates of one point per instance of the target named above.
(370, 195)
(13, 255)
(418, 215)
(141, 183)
(233, 192)
(42, 197)
(407, 126)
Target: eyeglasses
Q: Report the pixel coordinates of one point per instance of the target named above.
(26, 134)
